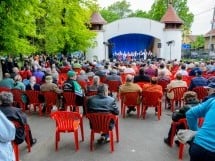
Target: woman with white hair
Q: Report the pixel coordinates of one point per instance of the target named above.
(18, 83)
(95, 84)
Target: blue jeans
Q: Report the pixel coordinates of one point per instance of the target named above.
(198, 153)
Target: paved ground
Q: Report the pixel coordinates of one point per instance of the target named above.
(140, 140)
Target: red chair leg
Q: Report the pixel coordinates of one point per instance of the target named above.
(82, 129)
(76, 140)
(181, 151)
(117, 130)
(173, 124)
(16, 151)
(111, 141)
(91, 140)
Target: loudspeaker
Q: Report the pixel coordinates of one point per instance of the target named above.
(159, 45)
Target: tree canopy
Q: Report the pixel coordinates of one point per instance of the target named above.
(156, 12)
(45, 26)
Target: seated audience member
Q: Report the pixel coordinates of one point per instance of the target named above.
(202, 146)
(89, 72)
(190, 99)
(162, 68)
(163, 77)
(113, 76)
(183, 70)
(129, 70)
(18, 84)
(178, 82)
(151, 71)
(71, 85)
(50, 86)
(195, 69)
(7, 135)
(15, 114)
(153, 86)
(129, 86)
(198, 81)
(95, 84)
(33, 84)
(82, 76)
(7, 81)
(39, 74)
(141, 77)
(102, 103)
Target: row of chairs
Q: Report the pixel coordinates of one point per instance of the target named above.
(71, 121)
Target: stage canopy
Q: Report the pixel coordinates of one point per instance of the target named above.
(131, 43)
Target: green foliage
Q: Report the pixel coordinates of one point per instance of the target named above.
(198, 43)
(45, 26)
(117, 10)
(139, 13)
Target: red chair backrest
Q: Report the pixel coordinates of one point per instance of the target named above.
(130, 98)
(5, 89)
(83, 84)
(69, 98)
(91, 93)
(50, 98)
(151, 98)
(17, 98)
(66, 121)
(201, 92)
(62, 78)
(100, 121)
(163, 84)
(103, 79)
(113, 86)
(187, 79)
(178, 92)
(33, 96)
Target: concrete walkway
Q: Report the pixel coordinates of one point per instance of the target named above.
(140, 140)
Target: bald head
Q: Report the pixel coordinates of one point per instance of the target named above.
(129, 78)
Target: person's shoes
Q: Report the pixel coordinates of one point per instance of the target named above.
(34, 141)
(107, 140)
(177, 143)
(166, 140)
(129, 111)
(101, 140)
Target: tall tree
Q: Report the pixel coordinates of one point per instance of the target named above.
(17, 26)
(198, 43)
(118, 10)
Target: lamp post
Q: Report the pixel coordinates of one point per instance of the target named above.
(170, 43)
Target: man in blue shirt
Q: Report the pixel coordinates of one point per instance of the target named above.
(203, 146)
(198, 81)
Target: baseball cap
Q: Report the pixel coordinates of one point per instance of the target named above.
(70, 73)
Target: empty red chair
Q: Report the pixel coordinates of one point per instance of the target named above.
(67, 122)
(130, 99)
(201, 92)
(178, 96)
(33, 97)
(151, 99)
(69, 101)
(99, 123)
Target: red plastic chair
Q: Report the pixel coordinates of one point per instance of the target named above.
(181, 145)
(16, 150)
(124, 75)
(178, 96)
(130, 99)
(67, 122)
(83, 84)
(201, 92)
(50, 100)
(151, 99)
(27, 138)
(4, 89)
(102, 79)
(100, 122)
(69, 98)
(17, 98)
(187, 79)
(33, 97)
(163, 84)
(113, 86)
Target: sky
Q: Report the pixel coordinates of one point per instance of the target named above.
(202, 10)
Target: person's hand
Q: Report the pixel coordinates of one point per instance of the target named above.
(185, 135)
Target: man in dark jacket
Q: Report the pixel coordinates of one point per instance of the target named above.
(191, 100)
(15, 114)
(102, 103)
